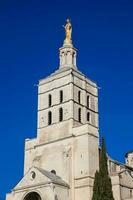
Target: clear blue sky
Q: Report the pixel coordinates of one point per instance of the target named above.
(30, 34)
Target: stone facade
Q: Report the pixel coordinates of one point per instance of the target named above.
(60, 163)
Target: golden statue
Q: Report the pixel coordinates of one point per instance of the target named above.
(68, 30)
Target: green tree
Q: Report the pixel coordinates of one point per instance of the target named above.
(102, 189)
(96, 188)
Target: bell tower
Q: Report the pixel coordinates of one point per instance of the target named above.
(65, 151)
(67, 97)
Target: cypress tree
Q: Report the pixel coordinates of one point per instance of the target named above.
(96, 188)
(102, 189)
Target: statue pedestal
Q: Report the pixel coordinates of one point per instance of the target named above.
(68, 55)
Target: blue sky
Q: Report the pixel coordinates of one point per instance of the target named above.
(30, 34)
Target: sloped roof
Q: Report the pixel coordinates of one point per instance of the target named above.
(69, 69)
(53, 177)
(42, 177)
(118, 162)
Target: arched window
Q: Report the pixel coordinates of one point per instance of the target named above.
(79, 114)
(79, 96)
(32, 195)
(49, 100)
(88, 101)
(88, 116)
(49, 117)
(61, 114)
(61, 96)
(53, 171)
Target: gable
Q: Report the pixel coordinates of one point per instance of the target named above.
(36, 176)
(32, 178)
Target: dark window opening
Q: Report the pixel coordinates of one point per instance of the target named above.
(53, 171)
(60, 114)
(79, 115)
(49, 117)
(33, 196)
(79, 96)
(130, 193)
(88, 101)
(49, 100)
(88, 116)
(61, 96)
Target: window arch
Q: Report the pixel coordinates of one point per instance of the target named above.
(49, 117)
(49, 100)
(61, 114)
(53, 171)
(61, 96)
(88, 101)
(79, 96)
(88, 116)
(79, 114)
(32, 195)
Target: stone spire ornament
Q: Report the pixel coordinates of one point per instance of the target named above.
(68, 52)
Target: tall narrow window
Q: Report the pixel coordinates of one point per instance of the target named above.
(61, 114)
(79, 96)
(88, 101)
(88, 116)
(61, 96)
(79, 114)
(49, 100)
(49, 117)
(130, 193)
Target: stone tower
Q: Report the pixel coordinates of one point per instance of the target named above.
(60, 163)
(129, 158)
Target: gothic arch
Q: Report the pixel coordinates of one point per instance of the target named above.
(32, 196)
